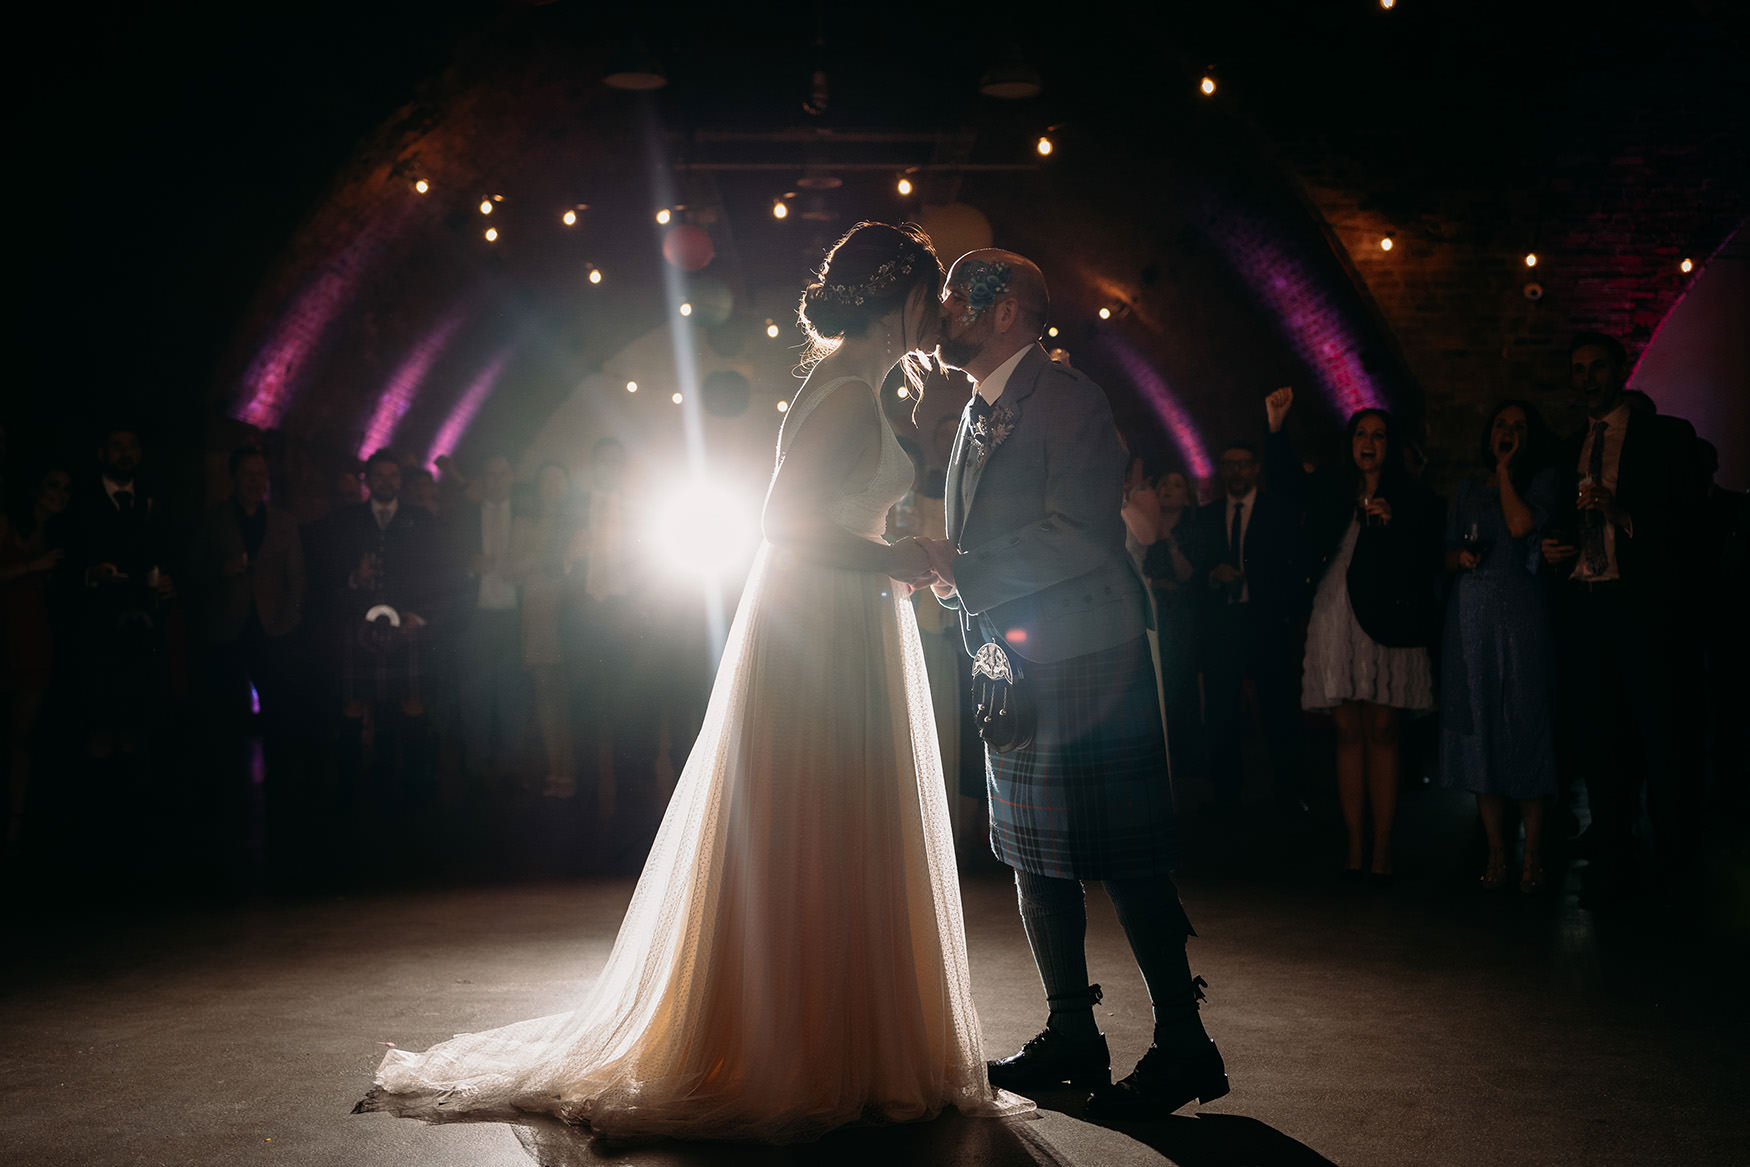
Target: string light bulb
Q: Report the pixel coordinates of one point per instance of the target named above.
(595, 275)
(1385, 244)
(1531, 259)
(631, 386)
(485, 206)
(771, 329)
(662, 216)
(1388, 5)
(1044, 147)
(492, 234)
(676, 398)
(686, 309)
(1052, 331)
(569, 218)
(903, 392)
(422, 186)
(1207, 85)
(1688, 265)
(780, 210)
(905, 186)
(1105, 314)
(783, 407)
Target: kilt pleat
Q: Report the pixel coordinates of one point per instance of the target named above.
(1090, 798)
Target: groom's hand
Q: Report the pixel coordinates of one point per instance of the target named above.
(909, 562)
(941, 554)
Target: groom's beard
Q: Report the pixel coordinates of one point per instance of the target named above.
(957, 354)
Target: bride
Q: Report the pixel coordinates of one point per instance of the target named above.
(793, 959)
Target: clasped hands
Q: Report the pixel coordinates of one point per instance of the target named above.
(923, 562)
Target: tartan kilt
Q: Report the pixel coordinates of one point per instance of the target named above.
(380, 663)
(1090, 798)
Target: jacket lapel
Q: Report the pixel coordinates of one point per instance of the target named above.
(1021, 384)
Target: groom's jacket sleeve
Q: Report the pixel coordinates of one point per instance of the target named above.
(1074, 533)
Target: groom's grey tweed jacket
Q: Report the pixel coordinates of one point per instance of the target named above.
(1037, 519)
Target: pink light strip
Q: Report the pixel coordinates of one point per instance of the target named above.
(449, 435)
(1154, 387)
(404, 383)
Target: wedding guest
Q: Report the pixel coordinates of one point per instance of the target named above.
(32, 545)
(1372, 550)
(492, 680)
(544, 543)
(382, 554)
(1625, 602)
(1498, 670)
(1245, 567)
(422, 489)
(252, 581)
(119, 567)
(1168, 564)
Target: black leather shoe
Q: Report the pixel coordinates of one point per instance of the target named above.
(1161, 1084)
(1050, 1060)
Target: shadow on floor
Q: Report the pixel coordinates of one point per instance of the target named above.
(1203, 1140)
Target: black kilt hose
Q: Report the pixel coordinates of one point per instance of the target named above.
(1090, 798)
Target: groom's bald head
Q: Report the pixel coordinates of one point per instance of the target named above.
(991, 275)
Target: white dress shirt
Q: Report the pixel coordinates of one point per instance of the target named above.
(992, 386)
(384, 512)
(1616, 423)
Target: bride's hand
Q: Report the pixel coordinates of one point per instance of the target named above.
(909, 562)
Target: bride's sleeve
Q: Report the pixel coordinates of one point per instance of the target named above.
(830, 441)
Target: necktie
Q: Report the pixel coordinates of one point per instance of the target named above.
(1233, 533)
(1597, 554)
(124, 501)
(382, 520)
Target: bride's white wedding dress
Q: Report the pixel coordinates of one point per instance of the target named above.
(793, 959)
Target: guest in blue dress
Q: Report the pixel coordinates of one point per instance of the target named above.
(1497, 670)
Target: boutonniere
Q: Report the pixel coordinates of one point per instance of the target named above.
(990, 432)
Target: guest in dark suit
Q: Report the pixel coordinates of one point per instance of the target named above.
(491, 682)
(251, 581)
(1371, 550)
(1624, 617)
(1036, 568)
(1246, 543)
(1170, 562)
(120, 572)
(382, 554)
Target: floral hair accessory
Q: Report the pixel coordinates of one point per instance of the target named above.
(984, 284)
(879, 283)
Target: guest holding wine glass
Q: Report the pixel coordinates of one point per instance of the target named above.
(1372, 539)
(1497, 670)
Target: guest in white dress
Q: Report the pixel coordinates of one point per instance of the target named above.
(1372, 538)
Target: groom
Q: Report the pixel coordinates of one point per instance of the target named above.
(1034, 563)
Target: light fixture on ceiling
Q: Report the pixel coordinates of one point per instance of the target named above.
(663, 216)
(780, 210)
(686, 309)
(783, 407)
(631, 386)
(633, 69)
(422, 186)
(1687, 266)
(1385, 244)
(1531, 259)
(771, 328)
(1011, 78)
(675, 397)
(1044, 146)
(569, 218)
(485, 206)
(904, 186)
(595, 275)
(492, 234)
(1105, 314)
(1207, 85)
(1052, 331)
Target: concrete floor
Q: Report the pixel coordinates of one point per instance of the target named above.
(1424, 1024)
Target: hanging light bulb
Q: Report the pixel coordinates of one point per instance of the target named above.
(783, 407)
(905, 186)
(663, 216)
(1105, 314)
(485, 206)
(771, 330)
(1688, 265)
(903, 392)
(491, 234)
(686, 309)
(595, 275)
(780, 210)
(422, 186)
(569, 218)
(1385, 244)
(1531, 259)
(1207, 85)
(1044, 147)
(1388, 5)
(631, 386)
(1052, 331)
(676, 398)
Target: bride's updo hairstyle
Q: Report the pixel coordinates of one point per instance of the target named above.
(867, 275)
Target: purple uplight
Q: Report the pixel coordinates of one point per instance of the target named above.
(404, 383)
(1304, 305)
(462, 415)
(1154, 388)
